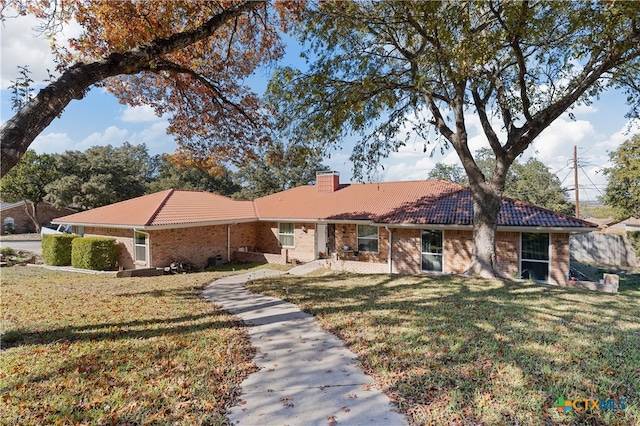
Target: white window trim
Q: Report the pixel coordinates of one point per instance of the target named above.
(293, 234)
(365, 238)
(548, 262)
(427, 271)
(147, 255)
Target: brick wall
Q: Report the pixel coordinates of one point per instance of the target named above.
(508, 253)
(23, 223)
(406, 251)
(198, 244)
(457, 250)
(349, 238)
(559, 259)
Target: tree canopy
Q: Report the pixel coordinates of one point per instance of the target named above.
(388, 72)
(100, 175)
(27, 182)
(623, 190)
(168, 175)
(187, 58)
(280, 168)
(531, 181)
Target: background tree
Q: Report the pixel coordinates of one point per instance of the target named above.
(450, 173)
(172, 176)
(186, 58)
(100, 175)
(623, 189)
(26, 182)
(531, 182)
(377, 69)
(281, 168)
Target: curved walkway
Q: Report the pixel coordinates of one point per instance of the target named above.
(306, 376)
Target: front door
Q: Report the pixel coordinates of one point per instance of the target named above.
(321, 240)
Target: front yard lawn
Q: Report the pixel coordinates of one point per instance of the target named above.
(453, 350)
(84, 349)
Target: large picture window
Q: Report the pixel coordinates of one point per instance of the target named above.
(368, 238)
(140, 247)
(285, 234)
(431, 250)
(534, 261)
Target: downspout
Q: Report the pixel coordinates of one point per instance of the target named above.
(389, 259)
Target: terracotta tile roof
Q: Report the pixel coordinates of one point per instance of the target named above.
(170, 207)
(428, 202)
(457, 209)
(356, 201)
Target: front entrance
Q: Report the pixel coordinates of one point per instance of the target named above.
(321, 240)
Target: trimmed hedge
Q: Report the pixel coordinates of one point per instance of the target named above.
(96, 253)
(56, 249)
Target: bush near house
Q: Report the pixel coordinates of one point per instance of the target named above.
(56, 249)
(96, 253)
(634, 239)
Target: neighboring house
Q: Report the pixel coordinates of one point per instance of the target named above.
(15, 219)
(398, 227)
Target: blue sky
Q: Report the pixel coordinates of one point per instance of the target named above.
(99, 119)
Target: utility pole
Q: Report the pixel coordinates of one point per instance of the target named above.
(575, 178)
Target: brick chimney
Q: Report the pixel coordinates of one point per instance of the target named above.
(327, 181)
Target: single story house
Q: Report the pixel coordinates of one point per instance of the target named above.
(15, 219)
(407, 227)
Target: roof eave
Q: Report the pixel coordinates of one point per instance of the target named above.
(156, 227)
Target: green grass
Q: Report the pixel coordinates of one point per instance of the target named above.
(452, 350)
(84, 349)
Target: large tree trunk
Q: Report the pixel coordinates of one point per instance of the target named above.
(20, 131)
(486, 208)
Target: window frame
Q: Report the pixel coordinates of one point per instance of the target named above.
(546, 261)
(291, 234)
(136, 245)
(440, 254)
(368, 238)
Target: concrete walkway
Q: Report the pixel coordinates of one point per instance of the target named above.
(307, 376)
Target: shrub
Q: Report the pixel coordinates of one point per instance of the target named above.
(96, 253)
(634, 239)
(56, 249)
(7, 251)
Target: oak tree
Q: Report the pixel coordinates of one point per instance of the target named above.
(186, 58)
(623, 189)
(388, 72)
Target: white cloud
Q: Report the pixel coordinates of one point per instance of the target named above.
(51, 143)
(21, 47)
(112, 135)
(139, 114)
(155, 137)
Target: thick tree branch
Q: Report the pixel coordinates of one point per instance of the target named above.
(20, 131)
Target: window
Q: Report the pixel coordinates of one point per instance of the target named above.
(140, 247)
(368, 238)
(80, 230)
(534, 261)
(431, 250)
(285, 234)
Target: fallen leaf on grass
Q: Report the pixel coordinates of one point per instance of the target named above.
(332, 420)
(346, 409)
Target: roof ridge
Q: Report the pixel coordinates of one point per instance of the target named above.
(160, 206)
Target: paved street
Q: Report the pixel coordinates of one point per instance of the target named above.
(32, 246)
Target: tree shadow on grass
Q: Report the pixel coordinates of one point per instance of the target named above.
(459, 350)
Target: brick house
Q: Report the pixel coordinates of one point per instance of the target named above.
(14, 217)
(407, 227)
